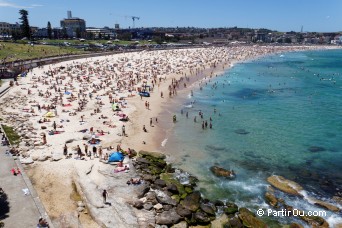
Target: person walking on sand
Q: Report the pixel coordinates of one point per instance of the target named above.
(123, 130)
(105, 195)
(54, 125)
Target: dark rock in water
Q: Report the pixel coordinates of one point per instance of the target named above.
(142, 190)
(168, 217)
(209, 209)
(192, 201)
(271, 199)
(316, 149)
(182, 211)
(249, 220)
(295, 225)
(160, 183)
(241, 132)
(214, 148)
(201, 217)
(221, 172)
(218, 203)
(231, 208)
(315, 221)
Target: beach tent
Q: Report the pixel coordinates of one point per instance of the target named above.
(115, 157)
(67, 93)
(49, 114)
(115, 106)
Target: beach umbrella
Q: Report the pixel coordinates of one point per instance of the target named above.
(49, 114)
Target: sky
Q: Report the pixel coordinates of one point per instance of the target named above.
(280, 15)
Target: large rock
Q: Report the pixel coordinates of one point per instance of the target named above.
(201, 217)
(26, 161)
(192, 201)
(182, 211)
(285, 185)
(142, 190)
(325, 205)
(151, 197)
(163, 198)
(231, 208)
(271, 199)
(248, 219)
(138, 204)
(161, 183)
(168, 217)
(221, 172)
(207, 208)
(56, 157)
(315, 221)
(152, 154)
(181, 224)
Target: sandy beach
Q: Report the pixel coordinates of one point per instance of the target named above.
(95, 103)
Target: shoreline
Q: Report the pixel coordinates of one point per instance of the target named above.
(140, 116)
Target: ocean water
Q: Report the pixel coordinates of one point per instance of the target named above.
(287, 105)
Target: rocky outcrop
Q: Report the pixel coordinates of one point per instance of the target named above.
(285, 185)
(325, 205)
(192, 201)
(315, 221)
(249, 220)
(163, 198)
(168, 217)
(271, 199)
(221, 172)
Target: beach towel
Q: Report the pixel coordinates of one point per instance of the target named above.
(121, 169)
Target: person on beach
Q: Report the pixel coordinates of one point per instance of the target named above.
(44, 139)
(123, 130)
(86, 150)
(42, 223)
(104, 196)
(79, 151)
(144, 129)
(94, 151)
(65, 150)
(54, 125)
(151, 122)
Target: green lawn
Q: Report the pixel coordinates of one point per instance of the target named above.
(12, 136)
(15, 51)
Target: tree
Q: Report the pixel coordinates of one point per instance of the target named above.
(49, 30)
(25, 27)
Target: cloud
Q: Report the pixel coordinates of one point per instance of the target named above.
(13, 5)
(327, 17)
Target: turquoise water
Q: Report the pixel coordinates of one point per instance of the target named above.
(286, 104)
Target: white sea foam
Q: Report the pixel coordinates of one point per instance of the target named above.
(163, 143)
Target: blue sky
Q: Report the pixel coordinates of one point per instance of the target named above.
(281, 15)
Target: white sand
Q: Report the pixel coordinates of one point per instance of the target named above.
(119, 76)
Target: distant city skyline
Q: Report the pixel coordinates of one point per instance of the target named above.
(281, 15)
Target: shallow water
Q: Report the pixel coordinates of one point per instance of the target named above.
(280, 114)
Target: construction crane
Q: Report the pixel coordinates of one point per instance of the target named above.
(134, 18)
